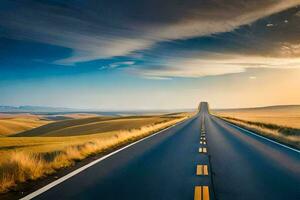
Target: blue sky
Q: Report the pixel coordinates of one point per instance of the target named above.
(118, 55)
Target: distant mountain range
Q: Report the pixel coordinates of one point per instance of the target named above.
(34, 109)
(61, 110)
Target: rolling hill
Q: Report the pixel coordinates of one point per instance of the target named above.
(12, 124)
(92, 125)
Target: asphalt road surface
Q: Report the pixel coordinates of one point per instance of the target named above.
(202, 158)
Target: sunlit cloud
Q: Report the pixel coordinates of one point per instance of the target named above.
(94, 34)
(154, 54)
(219, 65)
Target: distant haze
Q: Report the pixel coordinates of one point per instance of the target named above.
(56, 110)
(149, 54)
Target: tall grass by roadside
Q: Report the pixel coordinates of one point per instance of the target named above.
(19, 166)
(285, 116)
(283, 134)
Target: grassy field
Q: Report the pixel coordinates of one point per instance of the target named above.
(288, 116)
(34, 154)
(15, 123)
(92, 126)
(281, 123)
(11, 124)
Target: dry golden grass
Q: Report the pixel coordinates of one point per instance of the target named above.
(288, 116)
(92, 125)
(12, 124)
(284, 135)
(281, 123)
(80, 115)
(30, 158)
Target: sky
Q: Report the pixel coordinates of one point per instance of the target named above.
(138, 54)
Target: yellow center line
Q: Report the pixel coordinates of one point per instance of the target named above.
(203, 150)
(199, 170)
(201, 193)
(198, 193)
(202, 142)
(205, 193)
(202, 170)
(205, 170)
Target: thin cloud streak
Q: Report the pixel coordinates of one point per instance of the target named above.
(219, 65)
(94, 34)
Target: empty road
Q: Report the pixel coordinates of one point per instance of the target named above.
(201, 158)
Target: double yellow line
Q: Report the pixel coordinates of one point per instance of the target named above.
(202, 192)
(202, 170)
(202, 150)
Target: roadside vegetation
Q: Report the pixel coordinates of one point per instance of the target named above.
(285, 116)
(269, 123)
(29, 156)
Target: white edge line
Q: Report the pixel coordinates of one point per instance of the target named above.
(257, 135)
(77, 171)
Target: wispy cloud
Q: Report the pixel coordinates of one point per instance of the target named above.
(219, 65)
(97, 29)
(124, 63)
(117, 65)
